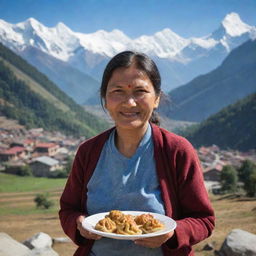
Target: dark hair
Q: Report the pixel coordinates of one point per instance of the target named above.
(125, 60)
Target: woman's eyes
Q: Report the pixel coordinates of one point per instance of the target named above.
(117, 91)
(141, 91)
(136, 94)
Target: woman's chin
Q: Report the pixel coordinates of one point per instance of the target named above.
(130, 125)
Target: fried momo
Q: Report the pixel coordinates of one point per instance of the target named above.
(128, 227)
(125, 224)
(106, 225)
(151, 226)
(143, 218)
(115, 215)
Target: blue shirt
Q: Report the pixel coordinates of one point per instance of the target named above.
(121, 183)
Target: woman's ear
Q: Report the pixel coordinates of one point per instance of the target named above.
(157, 101)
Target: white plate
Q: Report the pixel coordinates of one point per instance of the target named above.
(90, 222)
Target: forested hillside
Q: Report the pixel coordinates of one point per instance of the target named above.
(233, 127)
(209, 93)
(31, 98)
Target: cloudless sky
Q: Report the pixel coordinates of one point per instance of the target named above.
(134, 17)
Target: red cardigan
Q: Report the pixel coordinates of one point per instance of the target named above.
(180, 177)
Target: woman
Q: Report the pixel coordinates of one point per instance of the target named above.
(136, 166)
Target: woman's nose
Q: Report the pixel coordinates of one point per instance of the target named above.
(130, 100)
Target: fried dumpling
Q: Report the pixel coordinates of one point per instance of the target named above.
(115, 215)
(106, 225)
(152, 225)
(143, 218)
(128, 227)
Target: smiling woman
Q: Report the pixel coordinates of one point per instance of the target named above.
(138, 166)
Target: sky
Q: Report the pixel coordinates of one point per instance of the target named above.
(187, 18)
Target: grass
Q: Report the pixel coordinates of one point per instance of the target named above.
(13, 183)
(21, 219)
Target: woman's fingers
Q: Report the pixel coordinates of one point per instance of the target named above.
(85, 233)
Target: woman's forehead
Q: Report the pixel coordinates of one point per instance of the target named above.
(128, 76)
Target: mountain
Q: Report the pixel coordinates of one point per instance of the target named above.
(205, 95)
(233, 127)
(179, 59)
(31, 98)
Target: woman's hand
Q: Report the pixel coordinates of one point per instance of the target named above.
(85, 233)
(154, 242)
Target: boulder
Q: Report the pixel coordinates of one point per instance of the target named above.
(39, 241)
(61, 240)
(239, 243)
(11, 247)
(44, 252)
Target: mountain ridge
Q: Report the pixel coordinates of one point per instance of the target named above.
(233, 127)
(205, 95)
(31, 107)
(180, 59)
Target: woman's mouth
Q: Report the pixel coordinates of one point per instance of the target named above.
(129, 114)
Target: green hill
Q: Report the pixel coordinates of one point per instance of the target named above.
(233, 127)
(207, 94)
(31, 98)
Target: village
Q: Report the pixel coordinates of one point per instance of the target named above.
(48, 152)
(43, 151)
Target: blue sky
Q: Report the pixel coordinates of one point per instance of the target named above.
(134, 17)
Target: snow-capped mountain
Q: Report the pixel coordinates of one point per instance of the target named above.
(179, 59)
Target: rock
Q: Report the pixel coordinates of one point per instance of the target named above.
(11, 247)
(208, 247)
(239, 243)
(61, 240)
(39, 241)
(44, 252)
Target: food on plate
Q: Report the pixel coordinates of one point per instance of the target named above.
(126, 224)
(143, 218)
(106, 225)
(115, 215)
(152, 225)
(128, 227)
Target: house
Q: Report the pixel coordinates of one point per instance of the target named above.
(13, 153)
(46, 149)
(27, 143)
(44, 166)
(212, 175)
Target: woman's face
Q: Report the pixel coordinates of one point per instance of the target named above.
(130, 98)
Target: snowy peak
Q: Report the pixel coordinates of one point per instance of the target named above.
(63, 43)
(234, 26)
(164, 44)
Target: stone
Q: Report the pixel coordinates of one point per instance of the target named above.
(208, 247)
(61, 240)
(44, 252)
(11, 247)
(239, 243)
(39, 241)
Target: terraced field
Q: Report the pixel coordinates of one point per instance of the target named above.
(20, 218)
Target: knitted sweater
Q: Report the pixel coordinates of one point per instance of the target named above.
(181, 181)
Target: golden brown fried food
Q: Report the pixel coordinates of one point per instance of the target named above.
(106, 225)
(151, 226)
(126, 224)
(143, 218)
(128, 227)
(115, 215)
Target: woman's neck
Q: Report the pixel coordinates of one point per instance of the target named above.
(127, 141)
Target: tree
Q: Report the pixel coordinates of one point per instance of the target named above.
(247, 174)
(24, 171)
(228, 179)
(42, 201)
